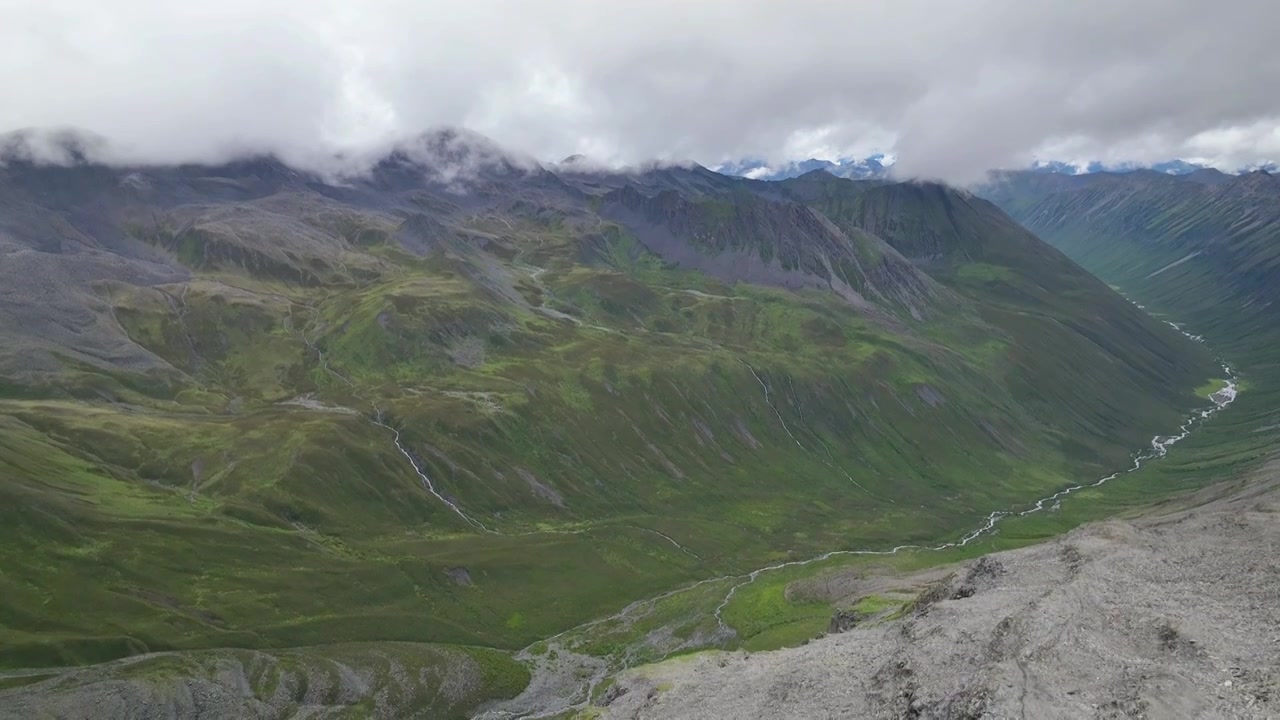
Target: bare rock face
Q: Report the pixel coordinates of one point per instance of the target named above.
(982, 574)
(843, 621)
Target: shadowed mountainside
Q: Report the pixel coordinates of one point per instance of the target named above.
(1201, 249)
(1205, 251)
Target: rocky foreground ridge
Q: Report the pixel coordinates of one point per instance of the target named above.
(1169, 616)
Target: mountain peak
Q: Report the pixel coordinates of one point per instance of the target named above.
(1257, 181)
(459, 148)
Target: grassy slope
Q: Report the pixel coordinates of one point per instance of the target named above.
(200, 511)
(1204, 256)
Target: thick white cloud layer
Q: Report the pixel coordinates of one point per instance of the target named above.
(953, 88)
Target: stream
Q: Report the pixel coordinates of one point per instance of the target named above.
(563, 680)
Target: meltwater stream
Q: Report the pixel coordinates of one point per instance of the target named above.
(563, 686)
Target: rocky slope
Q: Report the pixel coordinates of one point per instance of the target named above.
(1165, 616)
(744, 237)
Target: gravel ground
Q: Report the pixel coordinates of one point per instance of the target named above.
(1170, 616)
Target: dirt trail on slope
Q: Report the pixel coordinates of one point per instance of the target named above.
(1170, 616)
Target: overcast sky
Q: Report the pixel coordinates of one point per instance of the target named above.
(952, 87)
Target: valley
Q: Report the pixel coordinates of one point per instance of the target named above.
(569, 682)
(898, 359)
(1198, 249)
(391, 419)
(1133, 596)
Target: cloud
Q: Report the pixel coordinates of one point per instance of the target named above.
(951, 88)
(54, 146)
(457, 156)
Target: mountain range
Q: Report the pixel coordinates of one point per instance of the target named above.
(1168, 167)
(880, 166)
(873, 166)
(252, 406)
